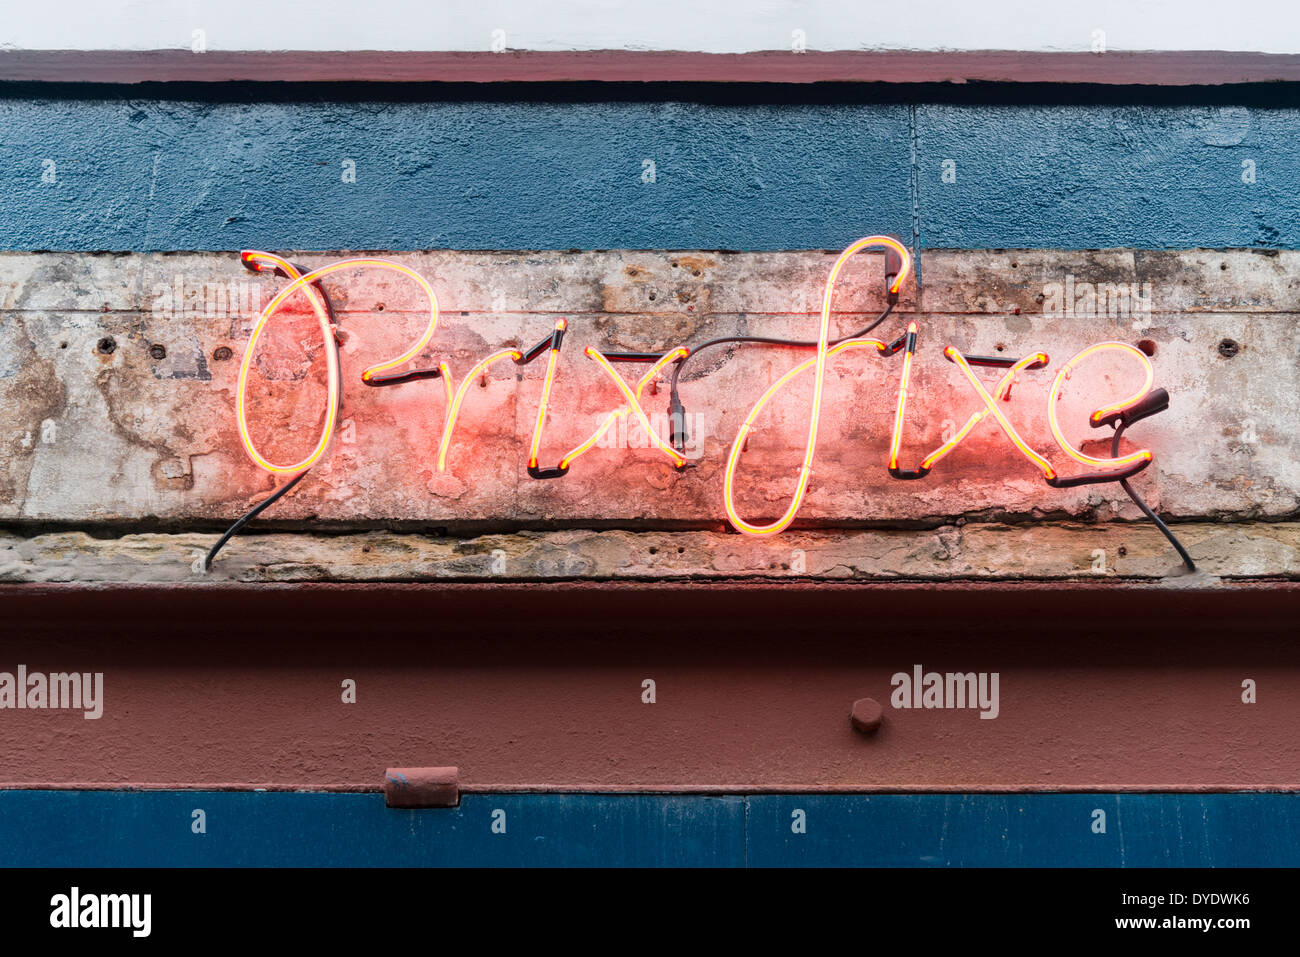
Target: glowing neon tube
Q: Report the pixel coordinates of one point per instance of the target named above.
(547, 381)
(260, 261)
(738, 446)
(454, 403)
(991, 405)
(814, 418)
(331, 352)
(1142, 455)
(633, 406)
(1036, 361)
(896, 439)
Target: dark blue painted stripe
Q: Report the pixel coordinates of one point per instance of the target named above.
(250, 829)
(1028, 830)
(150, 829)
(184, 175)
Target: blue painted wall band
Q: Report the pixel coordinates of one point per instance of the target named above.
(139, 174)
(244, 829)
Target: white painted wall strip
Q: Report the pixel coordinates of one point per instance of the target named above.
(719, 26)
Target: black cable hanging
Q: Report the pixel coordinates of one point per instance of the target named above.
(1165, 530)
(250, 515)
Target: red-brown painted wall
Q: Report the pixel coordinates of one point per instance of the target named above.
(541, 687)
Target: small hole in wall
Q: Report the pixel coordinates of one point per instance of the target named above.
(1147, 347)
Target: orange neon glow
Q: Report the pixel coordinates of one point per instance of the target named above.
(633, 406)
(814, 418)
(1142, 455)
(1038, 359)
(307, 284)
(546, 398)
(302, 281)
(453, 403)
(737, 447)
(896, 439)
(263, 262)
(444, 373)
(991, 406)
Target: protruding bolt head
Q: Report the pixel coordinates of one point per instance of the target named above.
(867, 715)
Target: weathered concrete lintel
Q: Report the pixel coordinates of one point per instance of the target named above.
(123, 420)
(990, 552)
(649, 282)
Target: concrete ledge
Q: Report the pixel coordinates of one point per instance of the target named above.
(976, 552)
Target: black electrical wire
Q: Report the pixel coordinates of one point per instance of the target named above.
(1146, 509)
(796, 343)
(675, 401)
(249, 516)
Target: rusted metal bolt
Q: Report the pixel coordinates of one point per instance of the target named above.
(221, 354)
(158, 351)
(106, 346)
(867, 715)
(1228, 348)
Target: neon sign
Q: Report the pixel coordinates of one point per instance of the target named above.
(1119, 415)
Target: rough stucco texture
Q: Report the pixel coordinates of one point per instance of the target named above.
(137, 174)
(169, 175)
